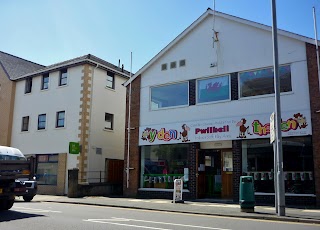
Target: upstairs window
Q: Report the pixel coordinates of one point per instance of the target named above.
(42, 121)
(261, 82)
(213, 89)
(110, 80)
(25, 124)
(63, 79)
(28, 85)
(108, 117)
(60, 119)
(45, 82)
(170, 95)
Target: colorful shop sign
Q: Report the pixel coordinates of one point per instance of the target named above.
(246, 127)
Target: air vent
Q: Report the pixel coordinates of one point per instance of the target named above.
(173, 65)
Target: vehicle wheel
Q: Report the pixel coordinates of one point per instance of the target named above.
(2, 204)
(9, 204)
(27, 198)
(6, 204)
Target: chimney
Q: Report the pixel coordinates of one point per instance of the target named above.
(119, 64)
(122, 68)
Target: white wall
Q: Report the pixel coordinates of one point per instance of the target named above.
(240, 47)
(50, 140)
(106, 100)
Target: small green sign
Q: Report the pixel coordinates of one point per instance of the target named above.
(74, 148)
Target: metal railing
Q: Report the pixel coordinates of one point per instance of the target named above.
(92, 177)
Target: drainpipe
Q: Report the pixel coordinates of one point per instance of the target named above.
(129, 129)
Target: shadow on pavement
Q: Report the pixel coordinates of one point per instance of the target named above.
(13, 215)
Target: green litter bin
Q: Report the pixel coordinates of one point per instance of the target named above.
(246, 194)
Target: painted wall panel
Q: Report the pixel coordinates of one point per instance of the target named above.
(240, 47)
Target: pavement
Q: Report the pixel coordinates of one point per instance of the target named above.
(201, 207)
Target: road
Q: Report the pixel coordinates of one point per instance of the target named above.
(51, 216)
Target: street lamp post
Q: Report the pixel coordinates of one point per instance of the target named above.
(279, 170)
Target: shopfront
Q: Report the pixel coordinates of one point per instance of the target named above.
(202, 154)
(258, 161)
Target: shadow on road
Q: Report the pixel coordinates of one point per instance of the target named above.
(13, 215)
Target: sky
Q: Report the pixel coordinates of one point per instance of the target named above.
(51, 31)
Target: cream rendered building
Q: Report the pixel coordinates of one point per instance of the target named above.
(80, 100)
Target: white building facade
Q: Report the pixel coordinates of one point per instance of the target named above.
(205, 103)
(80, 101)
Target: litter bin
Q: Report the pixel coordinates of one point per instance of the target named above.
(246, 194)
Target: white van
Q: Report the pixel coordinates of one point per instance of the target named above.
(10, 153)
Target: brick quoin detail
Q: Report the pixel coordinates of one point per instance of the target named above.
(315, 117)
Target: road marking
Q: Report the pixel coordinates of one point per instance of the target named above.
(23, 209)
(153, 222)
(102, 221)
(308, 210)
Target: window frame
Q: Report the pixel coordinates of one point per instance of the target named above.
(164, 85)
(25, 125)
(58, 119)
(45, 122)
(111, 122)
(28, 85)
(63, 76)
(112, 76)
(263, 95)
(45, 83)
(212, 77)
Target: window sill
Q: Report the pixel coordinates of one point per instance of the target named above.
(57, 128)
(264, 96)
(62, 86)
(171, 107)
(41, 130)
(108, 130)
(44, 90)
(111, 89)
(27, 131)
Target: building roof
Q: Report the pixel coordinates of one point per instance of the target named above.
(15, 66)
(211, 12)
(86, 59)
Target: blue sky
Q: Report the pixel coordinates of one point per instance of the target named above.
(50, 31)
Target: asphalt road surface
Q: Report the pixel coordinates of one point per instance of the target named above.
(47, 216)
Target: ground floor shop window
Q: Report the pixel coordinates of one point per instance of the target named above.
(47, 169)
(258, 161)
(162, 164)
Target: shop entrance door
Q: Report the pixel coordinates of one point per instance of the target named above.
(227, 177)
(209, 174)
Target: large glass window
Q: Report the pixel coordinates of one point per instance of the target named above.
(47, 169)
(258, 161)
(161, 164)
(260, 82)
(169, 95)
(213, 89)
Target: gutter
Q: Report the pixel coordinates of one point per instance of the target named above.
(68, 64)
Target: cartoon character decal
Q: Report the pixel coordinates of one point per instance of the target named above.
(146, 134)
(243, 129)
(301, 120)
(184, 133)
